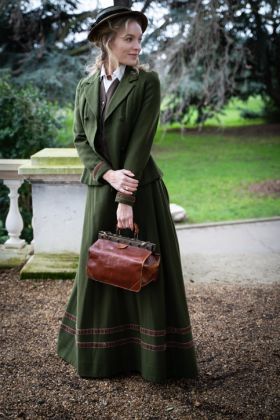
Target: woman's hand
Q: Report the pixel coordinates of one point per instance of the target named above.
(122, 180)
(125, 216)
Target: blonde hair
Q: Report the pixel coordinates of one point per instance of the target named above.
(106, 34)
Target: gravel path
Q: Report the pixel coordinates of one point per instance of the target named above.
(233, 253)
(236, 328)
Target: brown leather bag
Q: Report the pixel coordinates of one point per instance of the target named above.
(128, 263)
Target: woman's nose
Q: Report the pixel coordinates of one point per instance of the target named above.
(137, 45)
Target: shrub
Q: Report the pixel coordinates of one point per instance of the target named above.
(27, 124)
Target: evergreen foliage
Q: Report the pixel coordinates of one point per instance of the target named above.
(38, 44)
(209, 51)
(27, 123)
(206, 51)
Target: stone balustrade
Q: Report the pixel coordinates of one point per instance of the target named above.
(58, 202)
(13, 180)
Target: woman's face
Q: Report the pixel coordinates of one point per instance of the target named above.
(126, 46)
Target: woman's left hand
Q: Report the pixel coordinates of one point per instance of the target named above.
(125, 216)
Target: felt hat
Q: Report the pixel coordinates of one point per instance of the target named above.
(113, 12)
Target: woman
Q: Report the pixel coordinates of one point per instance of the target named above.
(106, 330)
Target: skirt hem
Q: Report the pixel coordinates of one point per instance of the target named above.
(83, 372)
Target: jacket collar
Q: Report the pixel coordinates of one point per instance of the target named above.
(92, 91)
(117, 74)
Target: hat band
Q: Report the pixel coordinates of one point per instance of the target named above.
(109, 13)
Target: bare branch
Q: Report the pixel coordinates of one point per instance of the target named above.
(146, 5)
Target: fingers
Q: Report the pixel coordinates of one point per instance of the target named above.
(132, 183)
(128, 177)
(128, 188)
(127, 172)
(128, 224)
(128, 184)
(123, 182)
(125, 190)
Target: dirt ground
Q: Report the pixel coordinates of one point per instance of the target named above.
(266, 188)
(236, 329)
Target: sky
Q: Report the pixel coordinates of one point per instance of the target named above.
(85, 4)
(92, 5)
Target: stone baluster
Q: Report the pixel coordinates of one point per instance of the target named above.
(14, 222)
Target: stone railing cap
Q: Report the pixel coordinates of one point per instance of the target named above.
(9, 168)
(51, 161)
(12, 164)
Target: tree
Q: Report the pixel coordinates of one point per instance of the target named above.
(210, 50)
(38, 44)
(206, 51)
(27, 125)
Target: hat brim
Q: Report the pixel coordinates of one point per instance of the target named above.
(92, 36)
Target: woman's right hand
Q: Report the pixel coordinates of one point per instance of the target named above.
(122, 180)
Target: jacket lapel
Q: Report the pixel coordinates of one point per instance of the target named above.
(126, 85)
(92, 93)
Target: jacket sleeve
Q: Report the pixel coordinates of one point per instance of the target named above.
(141, 140)
(90, 159)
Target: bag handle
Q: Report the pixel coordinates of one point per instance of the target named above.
(135, 230)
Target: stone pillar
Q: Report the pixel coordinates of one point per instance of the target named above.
(14, 222)
(58, 200)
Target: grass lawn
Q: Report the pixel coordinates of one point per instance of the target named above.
(65, 133)
(233, 114)
(209, 174)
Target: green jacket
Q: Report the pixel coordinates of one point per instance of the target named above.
(130, 124)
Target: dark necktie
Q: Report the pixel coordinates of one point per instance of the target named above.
(105, 98)
(108, 95)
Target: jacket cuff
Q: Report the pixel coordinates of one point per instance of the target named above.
(99, 170)
(125, 199)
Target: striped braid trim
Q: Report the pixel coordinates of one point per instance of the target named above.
(97, 167)
(134, 340)
(134, 327)
(70, 316)
(127, 341)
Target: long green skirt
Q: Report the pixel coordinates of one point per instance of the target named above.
(106, 330)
